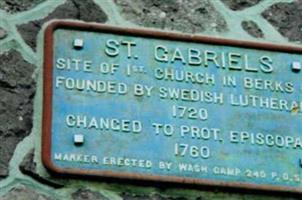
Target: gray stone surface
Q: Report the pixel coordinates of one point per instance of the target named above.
(240, 4)
(208, 196)
(17, 89)
(252, 28)
(23, 193)
(28, 167)
(3, 33)
(14, 6)
(127, 196)
(72, 9)
(287, 18)
(182, 15)
(86, 194)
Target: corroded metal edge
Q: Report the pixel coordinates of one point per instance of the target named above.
(47, 101)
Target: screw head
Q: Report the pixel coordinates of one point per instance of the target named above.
(78, 43)
(78, 139)
(296, 66)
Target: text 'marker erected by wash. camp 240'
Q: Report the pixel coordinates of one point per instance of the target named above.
(159, 106)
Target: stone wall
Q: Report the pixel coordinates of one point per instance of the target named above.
(22, 176)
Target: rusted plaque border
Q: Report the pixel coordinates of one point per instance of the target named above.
(47, 100)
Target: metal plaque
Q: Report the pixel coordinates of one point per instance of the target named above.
(160, 106)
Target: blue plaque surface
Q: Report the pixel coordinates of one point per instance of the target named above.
(148, 105)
